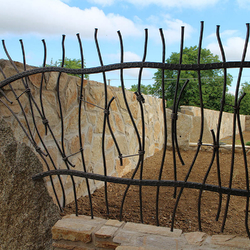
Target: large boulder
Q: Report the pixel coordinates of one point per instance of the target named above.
(27, 212)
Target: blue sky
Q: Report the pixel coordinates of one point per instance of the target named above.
(34, 20)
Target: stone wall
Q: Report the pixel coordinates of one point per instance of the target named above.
(97, 233)
(92, 118)
(247, 125)
(211, 121)
(92, 125)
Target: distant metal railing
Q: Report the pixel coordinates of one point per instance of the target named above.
(51, 166)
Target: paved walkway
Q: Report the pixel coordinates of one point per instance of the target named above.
(82, 232)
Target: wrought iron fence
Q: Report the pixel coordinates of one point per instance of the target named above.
(52, 169)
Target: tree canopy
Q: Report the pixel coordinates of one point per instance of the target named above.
(212, 81)
(145, 89)
(245, 103)
(68, 63)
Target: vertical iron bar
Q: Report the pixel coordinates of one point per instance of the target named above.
(140, 100)
(245, 164)
(132, 120)
(236, 109)
(202, 113)
(200, 139)
(80, 126)
(215, 149)
(23, 112)
(174, 111)
(104, 121)
(164, 123)
(220, 118)
(62, 124)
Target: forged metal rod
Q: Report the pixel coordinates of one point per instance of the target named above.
(80, 127)
(65, 159)
(164, 123)
(132, 120)
(141, 100)
(112, 133)
(104, 121)
(174, 112)
(202, 114)
(246, 167)
(126, 65)
(41, 86)
(201, 134)
(31, 100)
(25, 117)
(220, 118)
(31, 139)
(245, 164)
(137, 182)
(23, 112)
(236, 109)
(215, 149)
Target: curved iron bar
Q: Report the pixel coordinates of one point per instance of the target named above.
(220, 117)
(62, 151)
(174, 112)
(17, 98)
(138, 182)
(245, 164)
(201, 133)
(236, 110)
(112, 133)
(46, 124)
(31, 100)
(31, 138)
(80, 126)
(41, 86)
(132, 120)
(141, 100)
(165, 124)
(104, 121)
(215, 149)
(126, 65)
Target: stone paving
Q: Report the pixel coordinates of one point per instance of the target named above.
(84, 233)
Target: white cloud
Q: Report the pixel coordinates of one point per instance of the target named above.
(224, 34)
(244, 3)
(164, 3)
(102, 2)
(53, 17)
(175, 3)
(233, 48)
(171, 29)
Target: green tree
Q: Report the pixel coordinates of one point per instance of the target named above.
(212, 80)
(145, 89)
(245, 103)
(229, 101)
(68, 63)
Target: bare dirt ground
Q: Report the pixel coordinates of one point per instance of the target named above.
(186, 215)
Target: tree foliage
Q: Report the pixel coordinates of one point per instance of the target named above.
(212, 81)
(245, 103)
(68, 63)
(145, 89)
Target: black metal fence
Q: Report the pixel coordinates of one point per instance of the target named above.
(52, 169)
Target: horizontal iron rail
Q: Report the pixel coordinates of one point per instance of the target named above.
(137, 182)
(127, 65)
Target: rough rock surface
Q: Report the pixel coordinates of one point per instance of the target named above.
(27, 212)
